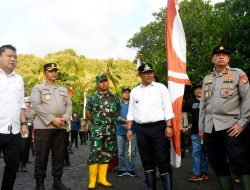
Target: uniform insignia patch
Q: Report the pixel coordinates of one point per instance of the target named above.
(210, 80)
(48, 97)
(244, 79)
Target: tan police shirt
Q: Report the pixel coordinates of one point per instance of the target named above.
(49, 102)
(225, 100)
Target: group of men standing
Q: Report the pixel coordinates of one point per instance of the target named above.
(223, 115)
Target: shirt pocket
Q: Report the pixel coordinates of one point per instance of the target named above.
(46, 95)
(226, 92)
(63, 95)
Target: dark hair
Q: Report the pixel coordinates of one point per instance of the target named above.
(4, 47)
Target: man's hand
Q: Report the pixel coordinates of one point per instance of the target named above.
(123, 120)
(235, 130)
(201, 134)
(129, 135)
(57, 122)
(24, 131)
(125, 126)
(168, 132)
(63, 120)
(184, 129)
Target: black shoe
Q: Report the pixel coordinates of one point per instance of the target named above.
(121, 173)
(66, 164)
(40, 184)
(132, 173)
(23, 168)
(58, 185)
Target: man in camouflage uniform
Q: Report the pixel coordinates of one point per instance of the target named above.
(224, 114)
(102, 109)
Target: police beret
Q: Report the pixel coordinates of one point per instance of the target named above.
(145, 67)
(50, 66)
(220, 49)
(100, 78)
(124, 89)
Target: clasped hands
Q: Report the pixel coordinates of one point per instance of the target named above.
(58, 122)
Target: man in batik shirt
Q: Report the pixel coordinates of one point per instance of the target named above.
(102, 110)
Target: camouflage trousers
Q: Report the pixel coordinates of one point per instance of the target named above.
(103, 144)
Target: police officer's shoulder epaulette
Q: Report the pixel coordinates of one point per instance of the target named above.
(62, 88)
(235, 69)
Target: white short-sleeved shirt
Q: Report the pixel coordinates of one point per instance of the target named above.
(150, 104)
(11, 102)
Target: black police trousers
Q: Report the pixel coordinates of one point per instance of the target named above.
(153, 146)
(227, 153)
(10, 145)
(46, 140)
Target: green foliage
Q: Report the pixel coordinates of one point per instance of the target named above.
(205, 27)
(78, 72)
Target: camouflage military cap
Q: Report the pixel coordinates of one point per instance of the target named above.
(100, 78)
(220, 49)
(50, 66)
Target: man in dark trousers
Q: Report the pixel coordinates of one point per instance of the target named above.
(53, 109)
(224, 115)
(151, 108)
(12, 114)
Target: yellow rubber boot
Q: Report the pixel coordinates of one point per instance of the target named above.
(93, 168)
(102, 173)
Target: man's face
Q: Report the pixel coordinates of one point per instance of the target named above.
(75, 114)
(8, 60)
(103, 85)
(147, 77)
(220, 59)
(51, 75)
(126, 95)
(197, 92)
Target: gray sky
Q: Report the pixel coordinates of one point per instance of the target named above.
(94, 28)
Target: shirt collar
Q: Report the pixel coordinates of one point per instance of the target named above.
(224, 72)
(13, 73)
(152, 84)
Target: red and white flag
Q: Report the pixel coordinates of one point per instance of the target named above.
(177, 77)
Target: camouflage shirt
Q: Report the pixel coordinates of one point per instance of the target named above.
(104, 108)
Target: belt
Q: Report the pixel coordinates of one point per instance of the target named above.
(151, 123)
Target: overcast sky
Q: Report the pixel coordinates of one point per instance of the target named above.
(93, 28)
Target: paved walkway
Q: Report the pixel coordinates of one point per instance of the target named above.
(76, 176)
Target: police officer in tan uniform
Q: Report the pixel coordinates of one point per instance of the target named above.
(224, 114)
(53, 108)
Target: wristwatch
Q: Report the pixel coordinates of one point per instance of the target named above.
(24, 123)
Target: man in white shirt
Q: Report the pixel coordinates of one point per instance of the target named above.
(150, 107)
(12, 114)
